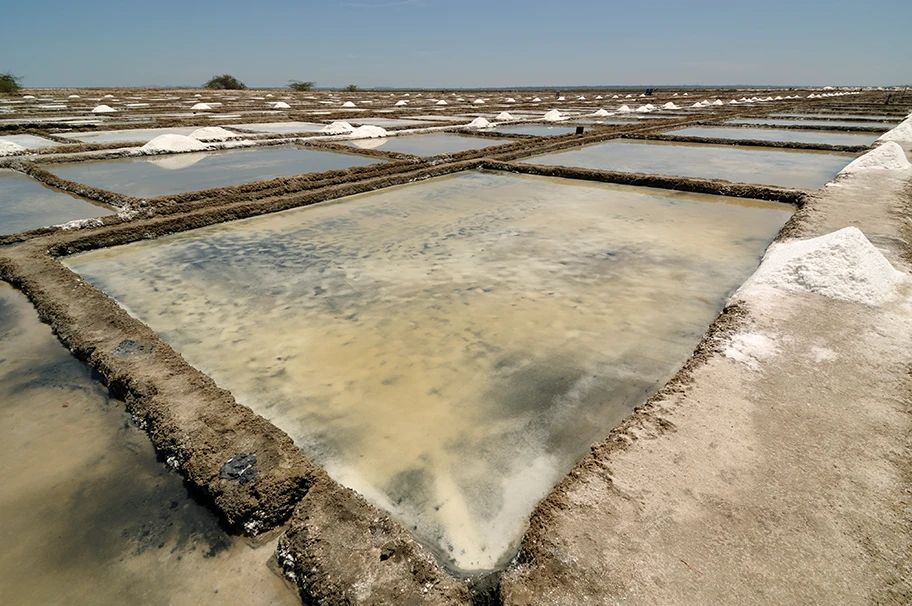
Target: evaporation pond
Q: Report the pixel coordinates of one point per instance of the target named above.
(538, 130)
(427, 145)
(138, 135)
(151, 176)
(448, 348)
(803, 170)
(88, 515)
(27, 204)
(777, 122)
(766, 134)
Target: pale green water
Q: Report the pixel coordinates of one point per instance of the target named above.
(151, 176)
(448, 348)
(27, 204)
(803, 170)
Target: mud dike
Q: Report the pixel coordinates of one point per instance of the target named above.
(335, 545)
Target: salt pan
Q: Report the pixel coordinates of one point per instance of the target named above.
(841, 265)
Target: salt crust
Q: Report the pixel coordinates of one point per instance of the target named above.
(601, 113)
(212, 133)
(903, 132)
(887, 156)
(842, 265)
(103, 109)
(337, 128)
(165, 144)
(504, 116)
(750, 348)
(201, 107)
(480, 123)
(368, 132)
(8, 148)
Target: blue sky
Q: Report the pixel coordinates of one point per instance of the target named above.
(470, 43)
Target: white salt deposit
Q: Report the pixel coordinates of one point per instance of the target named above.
(553, 116)
(841, 265)
(750, 348)
(337, 128)
(480, 123)
(903, 132)
(601, 113)
(8, 148)
(510, 100)
(108, 97)
(212, 133)
(201, 107)
(718, 102)
(478, 101)
(504, 117)
(400, 103)
(280, 105)
(643, 109)
(348, 104)
(442, 102)
(73, 97)
(368, 132)
(103, 109)
(28, 96)
(164, 144)
(887, 156)
(624, 109)
(670, 105)
(562, 98)
(536, 100)
(697, 104)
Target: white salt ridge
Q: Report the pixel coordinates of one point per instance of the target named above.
(553, 116)
(212, 133)
(401, 103)
(903, 132)
(280, 105)
(8, 148)
(348, 104)
(536, 100)
(504, 116)
(670, 105)
(165, 144)
(842, 265)
(887, 156)
(478, 101)
(337, 128)
(368, 132)
(624, 109)
(480, 123)
(601, 113)
(718, 102)
(750, 349)
(442, 102)
(103, 109)
(197, 107)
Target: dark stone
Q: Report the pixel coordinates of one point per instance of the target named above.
(240, 467)
(128, 346)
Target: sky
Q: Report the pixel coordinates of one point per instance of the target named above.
(458, 44)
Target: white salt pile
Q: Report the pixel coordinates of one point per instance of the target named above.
(103, 109)
(903, 132)
(643, 109)
(601, 113)
(28, 96)
(562, 98)
(442, 102)
(201, 107)
(337, 128)
(887, 156)
(624, 109)
(670, 105)
(280, 105)
(348, 104)
(368, 132)
(165, 144)
(510, 100)
(718, 102)
(553, 116)
(478, 101)
(480, 123)
(73, 97)
(536, 100)
(8, 148)
(504, 116)
(212, 133)
(599, 97)
(698, 104)
(108, 97)
(400, 103)
(750, 348)
(841, 265)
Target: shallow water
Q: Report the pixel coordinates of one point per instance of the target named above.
(151, 176)
(27, 204)
(87, 513)
(143, 135)
(282, 128)
(29, 141)
(803, 170)
(535, 129)
(765, 134)
(448, 348)
(428, 145)
(887, 119)
(781, 122)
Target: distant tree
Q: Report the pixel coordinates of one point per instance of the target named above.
(300, 86)
(9, 83)
(351, 88)
(225, 82)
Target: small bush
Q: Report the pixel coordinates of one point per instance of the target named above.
(300, 86)
(9, 83)
(225, 82)
(351, 88)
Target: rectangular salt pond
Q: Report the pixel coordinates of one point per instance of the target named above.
(767, 134)
(282, 128)
(448, 348)
(143, 135)
(427, 145)
(151, 176)
(777, 122)
(803, 170)
(539, 130)
(887, 119)
(29, 141)
(27, 204)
